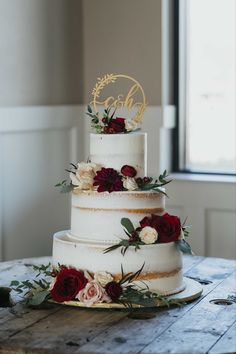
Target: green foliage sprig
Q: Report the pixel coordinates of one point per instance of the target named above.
(96, 124)
(64, 186)
(133, 239)
(135, 295)
(184, 246)
(35, 291)
(147, 184)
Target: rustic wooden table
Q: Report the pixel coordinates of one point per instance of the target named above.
(202, 326)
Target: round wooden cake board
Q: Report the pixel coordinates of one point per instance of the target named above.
(191, 292)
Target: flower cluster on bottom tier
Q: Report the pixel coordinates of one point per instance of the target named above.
(66, 284)
(162, 270)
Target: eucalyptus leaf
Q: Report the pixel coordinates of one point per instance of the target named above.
(183, 246)
(38, 298)
(60, 183)
(89, 109)
(66, 188)
(127, 225)
(14, 283)
(90, 115)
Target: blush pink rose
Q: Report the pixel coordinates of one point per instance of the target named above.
(93, 293)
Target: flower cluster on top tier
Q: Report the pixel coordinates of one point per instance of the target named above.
(92, 176)
(153, 229)
(109, 124)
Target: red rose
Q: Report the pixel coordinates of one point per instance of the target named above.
(68, 283)
(108, 180)
(128, 171)
(146, 221)
(114, 290)
(168, 227)
(117, 125)
(155, 220)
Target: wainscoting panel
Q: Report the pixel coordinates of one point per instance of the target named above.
(37, 144)
(221, 231)
(210, 208)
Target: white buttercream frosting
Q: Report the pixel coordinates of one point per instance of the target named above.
(164, 261)
(96, 223)
(97, 216)
(117, 150)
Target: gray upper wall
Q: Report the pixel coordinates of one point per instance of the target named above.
(123, 37)
(41, 52)
(52, 51)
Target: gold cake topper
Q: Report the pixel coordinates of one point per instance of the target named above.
(134, 99)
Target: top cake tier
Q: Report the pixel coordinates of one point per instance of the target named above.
(117, 150)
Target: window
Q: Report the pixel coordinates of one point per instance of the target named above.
(207, 86)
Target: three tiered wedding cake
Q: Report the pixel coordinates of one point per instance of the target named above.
(96, 218)
(122, 246)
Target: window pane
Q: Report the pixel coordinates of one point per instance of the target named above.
(211, 86)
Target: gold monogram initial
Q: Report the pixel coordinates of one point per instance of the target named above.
(128, 101)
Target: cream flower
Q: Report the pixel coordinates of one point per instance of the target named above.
(130, 125)
(93, 293)
(129, 183)
(103, 278)
(148, 235)
(84, 175)
(51, 286)
(181, 236)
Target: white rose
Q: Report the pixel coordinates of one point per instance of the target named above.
(93, 293)
(79, 182)
(130, 125)
(148, 235)
(84, 175)
(129, 183)
(103, 278)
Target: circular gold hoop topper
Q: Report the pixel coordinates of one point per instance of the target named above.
(134, 99)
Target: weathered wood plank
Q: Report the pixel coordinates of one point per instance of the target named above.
(63, 332)
(131, 336)
(191, 261)
(19, 270)
(23, 318)
(228, 340)
(199, 329)
(9, 265)
(70, 330)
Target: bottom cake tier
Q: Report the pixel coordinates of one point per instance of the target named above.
(162, 263)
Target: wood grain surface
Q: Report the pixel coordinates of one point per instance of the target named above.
(201, 326)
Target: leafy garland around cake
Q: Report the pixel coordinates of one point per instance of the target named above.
(109, 124)
(152, 230)
(91, 176)
(70, 284)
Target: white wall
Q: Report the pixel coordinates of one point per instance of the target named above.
(36, 146)
(209, 203)
(41, 70)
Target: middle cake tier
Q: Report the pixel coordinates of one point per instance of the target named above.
(97, 216)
